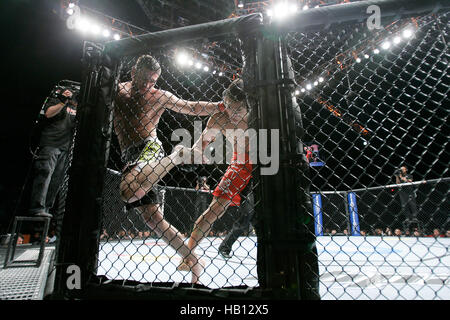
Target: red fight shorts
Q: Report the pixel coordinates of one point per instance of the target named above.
(234, 180)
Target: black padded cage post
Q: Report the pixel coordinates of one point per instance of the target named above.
(78, 245)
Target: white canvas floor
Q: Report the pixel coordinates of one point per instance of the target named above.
(350, 268)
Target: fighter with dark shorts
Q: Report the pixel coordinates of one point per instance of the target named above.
(138, 108)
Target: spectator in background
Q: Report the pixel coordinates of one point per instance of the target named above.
(398, 232)
(407, 196)
(378, 232)
(104, 235)
(20, 239)
(407, 233)
(346, 232)
(436, 233)
(363, 233)
(447, 233)
(333, 232)
(417, 233)
(147, 234)
(36, 239)
(52, 237)
(388, 232)
(202, 200)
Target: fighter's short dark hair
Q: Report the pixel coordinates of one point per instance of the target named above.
(149, 63)
(235, 91)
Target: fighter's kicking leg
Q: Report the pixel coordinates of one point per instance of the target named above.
(145, 175)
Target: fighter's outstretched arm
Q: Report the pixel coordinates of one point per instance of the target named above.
(193, 108)
(209, 134)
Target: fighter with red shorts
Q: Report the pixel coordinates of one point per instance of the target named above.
(238, 174)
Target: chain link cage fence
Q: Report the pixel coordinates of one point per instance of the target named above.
(374, 101)
(352, 106)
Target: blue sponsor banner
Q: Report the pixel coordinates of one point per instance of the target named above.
(317, 206)
(353, 211)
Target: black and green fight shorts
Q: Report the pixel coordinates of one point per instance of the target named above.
(138, 155)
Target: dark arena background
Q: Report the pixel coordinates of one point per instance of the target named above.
(341, 96)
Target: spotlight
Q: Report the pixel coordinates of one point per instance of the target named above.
(241, 4)
(308, 86)
(117, 36)
(82, 24)
(316, 83)
(365, 143)
(297, 92)
(214, 72)
(397, 40)
(106, 33)
(206, 68)
(71, 5)
(70, 11)
(386, 45)
(376, 51)
(198, 65)
(358, 60)
(321, 79)
(182, 58)
(305, 7)
(190, 63)
(366, 56)
(303, 90)
(95, 29)
(282, 10)
(220, 74)
(407, 33)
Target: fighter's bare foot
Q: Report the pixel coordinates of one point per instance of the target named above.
(195, 265)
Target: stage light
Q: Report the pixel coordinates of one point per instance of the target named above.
(117, 36)
(198, 65)
(71, 5)
(190, 63)
(366, 56)
(70, 12)
(397, 40)
(297, 92)
(214, 72)
(241, 4)
(220, 74)
(386, 45)
(303, 90)
(365, 143)
(376, 51)
(282, 10)
(182, 58)
(316, 83)
(106, 33)
(321, 79)
(206, 69)
(82, 24)
(95, 29)
(407, 33)
(305, 7)
(308, 86)
(358, 60)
